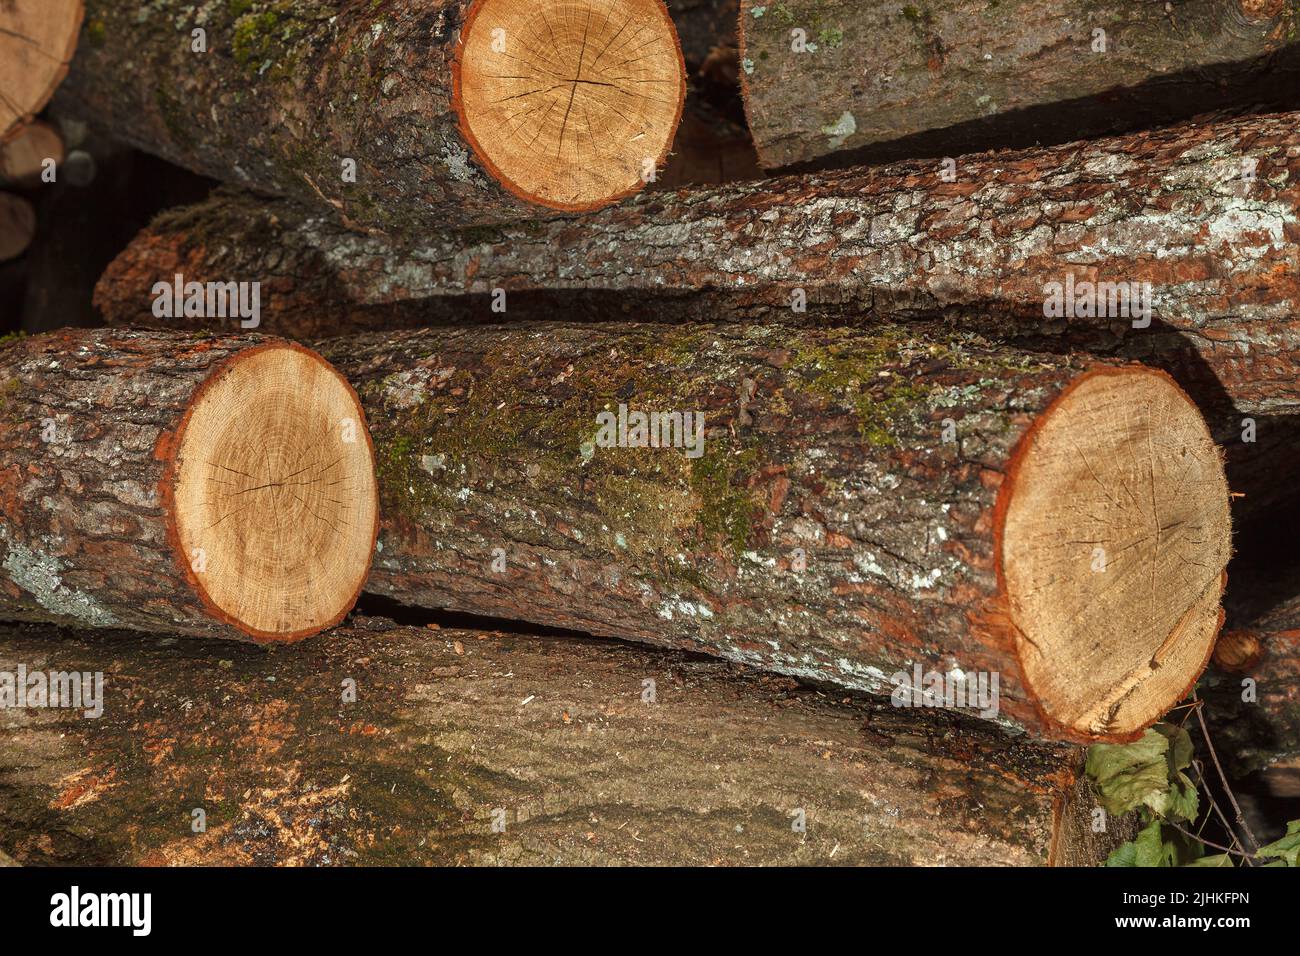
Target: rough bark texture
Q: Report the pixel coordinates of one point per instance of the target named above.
(86, 421)
(824, 442)
(888, 80)
(286, 92)
(1170, 208)
(1260, 644)
(453, 730)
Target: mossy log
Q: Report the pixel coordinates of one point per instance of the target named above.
(388, 112)
(1204, 217)
(483, 749)
(840, 505)
(180, 484)
(837, 82)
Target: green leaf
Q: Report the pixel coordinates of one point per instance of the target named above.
(1127, 774)
(1159, 844)
(1153, 849)
(1219, 859)
(1180, 746)
(1179, 802)
(1147, 772)
(1123, 855)
(1286, 849)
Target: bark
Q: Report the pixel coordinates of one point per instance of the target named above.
(286, 93)
(1253, 692)
(87, 419)
(453, 730)
(822, 448)
(880, 81)
(1170, 208)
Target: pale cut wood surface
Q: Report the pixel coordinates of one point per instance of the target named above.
(275, 487)
(1114, 550)
(37, 39)
(22, 159)
(574, 103)
(115, 450)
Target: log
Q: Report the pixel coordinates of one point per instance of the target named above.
(37, 40)
(851, 504)
(1202, 217)
(1167, 209)
(181, 484)
(23, 159)
(1253, 691)
(415, 102)
(17, 226)
(877, 81)
(554, 740)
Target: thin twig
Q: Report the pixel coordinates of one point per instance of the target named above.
(1214, 805)
(1200, 839)
(1241, 817)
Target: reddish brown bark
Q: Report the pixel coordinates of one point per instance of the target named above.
(555, 739)
(1168, 208)
(1173, 208)
(827, 531)
(285, 93)
(1253, 692)
(89, 420)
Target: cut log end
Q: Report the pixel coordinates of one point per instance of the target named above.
(1115, 535)
(274, 506)
(23, 159)
(17, 226)
(37, 41)
(571, 104)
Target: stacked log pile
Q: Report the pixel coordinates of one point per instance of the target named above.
(833, 512)
(36, 46)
